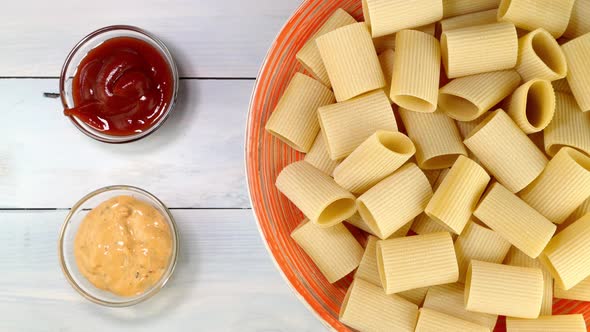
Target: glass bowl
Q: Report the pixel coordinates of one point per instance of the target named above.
(266, 156)
(68, 234)
(91, 41)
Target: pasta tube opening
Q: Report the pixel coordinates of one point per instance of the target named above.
(458, 108)
(336, 210)
(547, 49)
(532, 105)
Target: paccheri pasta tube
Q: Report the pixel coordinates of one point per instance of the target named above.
(386, 59)
(516, 257)
(294, 120)
(532, 105)
(469, 20)
(416, 71)
(460, 7)
(351, 61)
(480, 243)
(319, 157)
(577, 52)
(520, 293)
(514, 220)
(376, 158)
(408, 187)
(456, 197)
(561, 323)
(389, 16)
(567, 254)
(468, 98)
(334, 250)
(505, 151)
(346, 125)
(367, 308)
(316, 194)
(433, 321)
(450, 299)
(309, 55)
(437, 139)
(579, 23)
(551, 15)
(388, 41)
(416, 261)
(562, 187)
(569, 127)
(465, 52)
(539, 56)
(580, 292)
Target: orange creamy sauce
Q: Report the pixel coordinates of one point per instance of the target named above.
(123, 246)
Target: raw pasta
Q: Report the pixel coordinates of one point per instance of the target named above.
(467, 98)
(460, 7)
(294, 120)
(580, 292)
(532, 105)
(389, 16)
(469, 20)
(367, 269)
(319, 157)
(520, 293)
(386, 61)
(465, 52)
(408, 187)
(569, 127)
(561, 323)
(309, 55)
(551, 15)
(437, 139)
(416, 71)
(539, 56)
(562, 187)
(433, 321)
(513, 219)
(450, 299)
(388, 42)
(367, 308)
(516, 257)
(577, 52)
(505, 151)
(351, 61)
(561, 86)
(456, 197)
(579, 23)
(567, 254)
(415, 295)
(416, 261)
(316, 194)
(480, 243)
(377, 157)
(334, 250)
(346, 125)
(357, 221)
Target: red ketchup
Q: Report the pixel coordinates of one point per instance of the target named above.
(122, 87)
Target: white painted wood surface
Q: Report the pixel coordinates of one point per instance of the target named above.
(208, 38)
(194, 160)
(225, 280)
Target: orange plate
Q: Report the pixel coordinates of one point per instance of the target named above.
(266, 156)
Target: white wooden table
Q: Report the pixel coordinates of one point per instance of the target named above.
(225, 280)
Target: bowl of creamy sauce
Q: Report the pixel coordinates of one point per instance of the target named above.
(118, 246)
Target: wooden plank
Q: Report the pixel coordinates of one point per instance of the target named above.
(226, 38)
(194, 160)
(224, 281)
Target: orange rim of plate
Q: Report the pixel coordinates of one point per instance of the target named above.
(266, 156)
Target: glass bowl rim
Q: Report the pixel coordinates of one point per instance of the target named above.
(158, 45)
(156, 287)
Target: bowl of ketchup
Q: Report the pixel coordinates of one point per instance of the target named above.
(119, 84)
